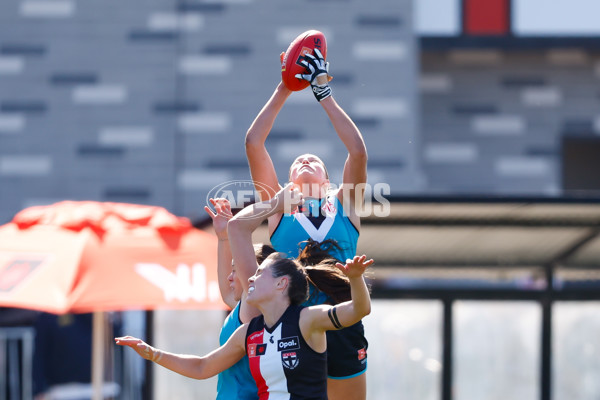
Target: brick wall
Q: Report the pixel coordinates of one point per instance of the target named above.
(149, 101)
(492, 122)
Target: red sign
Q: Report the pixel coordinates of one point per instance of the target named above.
(486, 17)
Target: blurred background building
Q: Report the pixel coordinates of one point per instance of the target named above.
(482, 116)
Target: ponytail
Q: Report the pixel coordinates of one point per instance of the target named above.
(329, 280)
(322, 273)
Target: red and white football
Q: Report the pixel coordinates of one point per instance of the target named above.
(304, 44)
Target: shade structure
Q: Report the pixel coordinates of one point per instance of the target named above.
(93, 256)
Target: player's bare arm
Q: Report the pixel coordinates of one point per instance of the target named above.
(220, 217)
(192, 366)
(315, 320)
(355, 168)
(261, 166)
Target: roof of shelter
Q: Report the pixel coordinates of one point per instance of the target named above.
(484, 234)
(504, 243)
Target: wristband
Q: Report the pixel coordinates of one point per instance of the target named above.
(321, 92)
(157, 355)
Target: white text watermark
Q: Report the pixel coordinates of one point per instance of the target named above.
(365, 200)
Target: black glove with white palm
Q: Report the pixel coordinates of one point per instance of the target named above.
(318, 76)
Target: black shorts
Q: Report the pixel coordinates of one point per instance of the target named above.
(347, 352)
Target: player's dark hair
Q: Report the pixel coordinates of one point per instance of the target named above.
(298, 282)
(262, 251)
(313, 252)
(322, 273)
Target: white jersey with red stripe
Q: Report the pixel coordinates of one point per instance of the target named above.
(283, 365)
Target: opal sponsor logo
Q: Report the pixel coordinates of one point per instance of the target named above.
(290, 343)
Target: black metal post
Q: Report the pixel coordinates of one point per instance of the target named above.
(447, 350)
(148, 386)
(546, 339)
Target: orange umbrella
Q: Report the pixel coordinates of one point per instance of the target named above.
(91, 256)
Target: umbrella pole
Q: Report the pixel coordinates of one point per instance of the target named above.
(148, 388)
(97, 355)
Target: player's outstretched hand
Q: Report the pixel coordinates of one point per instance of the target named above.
(220, 216)
(355, 267)
(143, 349)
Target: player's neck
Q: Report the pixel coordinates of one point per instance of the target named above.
(313, 190)
(273, 310)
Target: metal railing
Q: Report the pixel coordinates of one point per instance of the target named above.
(16, 363)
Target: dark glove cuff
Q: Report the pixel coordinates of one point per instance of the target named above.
(321, 92)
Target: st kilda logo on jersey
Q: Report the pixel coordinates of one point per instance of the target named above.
(289, 359)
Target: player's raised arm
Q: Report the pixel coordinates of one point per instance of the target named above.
(262, 169)
(285, 200)
(355, 167)
(220, 217)
(241, 226)
(343, 315)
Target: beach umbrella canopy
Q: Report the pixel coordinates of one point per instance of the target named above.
(92, 256)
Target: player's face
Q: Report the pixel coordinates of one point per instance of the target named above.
(308, 168)
(262, 284)
(234, 283)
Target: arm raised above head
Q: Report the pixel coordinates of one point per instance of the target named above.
(261, 166)
(245, 222)
(355, 168)
(220, 218)
(325, 317)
